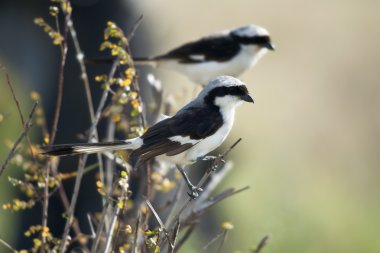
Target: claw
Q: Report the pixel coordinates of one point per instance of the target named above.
(216, 162)
(208, 158)
(194, 192)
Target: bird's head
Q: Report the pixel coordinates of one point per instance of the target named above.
(253, 35)
(225, 91)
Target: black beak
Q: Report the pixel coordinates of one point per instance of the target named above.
(247, 98)
(270, 46)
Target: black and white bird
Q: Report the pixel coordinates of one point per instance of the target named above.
(229, 52)
(197, 129)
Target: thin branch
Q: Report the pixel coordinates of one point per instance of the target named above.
(212, 241)
(186, 236)
(111, 230)
(86, 83)
(134, 28)
(136, 234)
(195, 214)
(100, 226)
(102, 220)
(215, 164)
(64, 198)
(45, 203)
(262, 244)
(135, 84)
(20, 114)
(175, 236)
(91, 225)
(60, 79)
(175, 200)
(5, 244)
(84, 75)
(162, 226)
(215, 180)
(225, 234)
(27, 125)
(83, 159)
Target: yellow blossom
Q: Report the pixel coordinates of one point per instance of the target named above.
(34, 95)
(125, 82)
(99, 184)
(123, 173)
(128, 229)
(116, 118)
(227, 225)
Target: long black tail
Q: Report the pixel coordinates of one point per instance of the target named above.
(82, 148)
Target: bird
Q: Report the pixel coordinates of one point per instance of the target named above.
(198, 128)
(230, 52)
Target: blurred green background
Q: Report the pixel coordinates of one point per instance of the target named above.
(310, 149)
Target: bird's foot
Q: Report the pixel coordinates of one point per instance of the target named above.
(216, 161)
(194, 191)
(208, 158)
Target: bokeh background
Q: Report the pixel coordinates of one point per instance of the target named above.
(310, 149)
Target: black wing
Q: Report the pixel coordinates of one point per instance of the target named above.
(214, 48)
(195, 123)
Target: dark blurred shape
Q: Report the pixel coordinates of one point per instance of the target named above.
(28, 51)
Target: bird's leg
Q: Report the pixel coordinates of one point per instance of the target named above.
(208, 158)
(194, 191)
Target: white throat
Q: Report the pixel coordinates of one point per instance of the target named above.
(252, 54)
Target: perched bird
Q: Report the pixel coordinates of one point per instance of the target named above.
(188, 136)
(229, 52)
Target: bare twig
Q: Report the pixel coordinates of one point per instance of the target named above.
(27, 125)
(86, 83)
(5, 244)
(225, 233)
(216, 178)
(194, 215)
(84, 76)
(136, 234)
(45, 203)
(135, 83)
(111, 230)
(175, 200)
(100, 226)
(83, 159)
(64, 199)
(91, 225)
(162, 226)
(102, 220)
(175, 236)
(262, 244)
(212, 241)
(134, 28)
(20, 114)
(207, 175)
(60, 79)
(186, 236)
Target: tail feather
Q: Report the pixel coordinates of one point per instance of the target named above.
(88, 148)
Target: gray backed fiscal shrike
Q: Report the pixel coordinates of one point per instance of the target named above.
(195, 130)
(229, 52)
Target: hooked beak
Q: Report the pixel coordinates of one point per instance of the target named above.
(247, 98)
(270, 46)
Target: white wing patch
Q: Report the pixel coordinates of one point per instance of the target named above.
(183, 140)
(197, 57)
